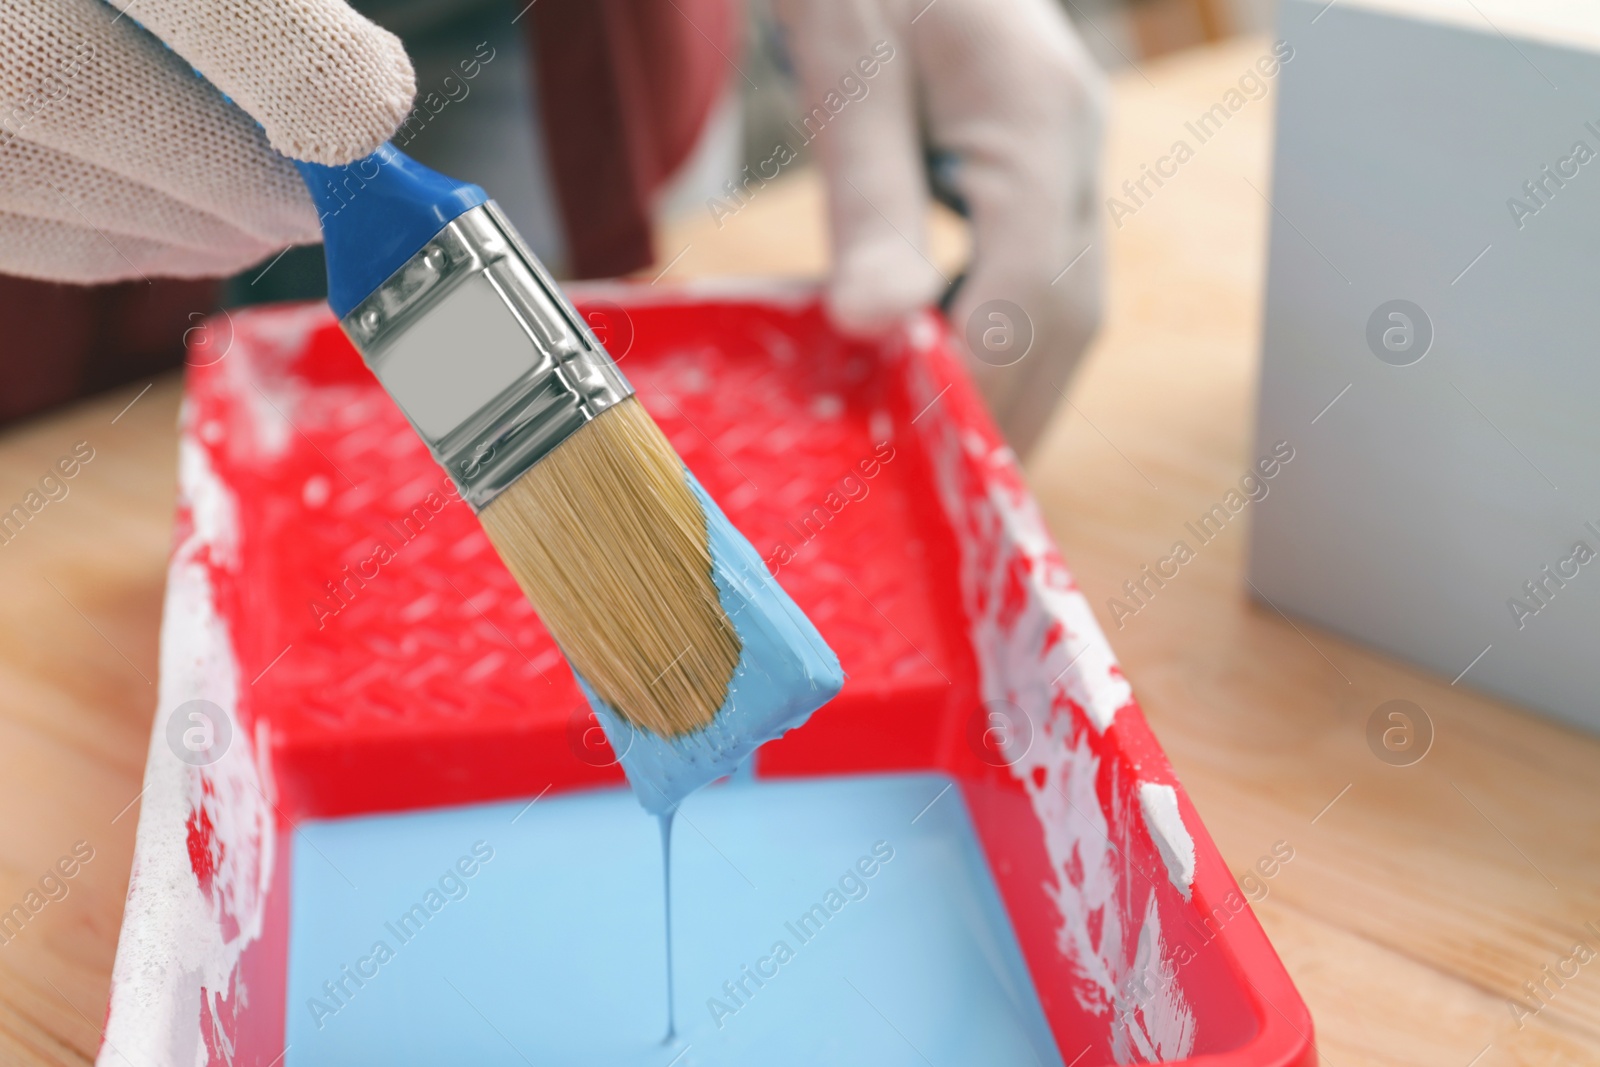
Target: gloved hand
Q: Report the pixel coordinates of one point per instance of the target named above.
(118, 161)
(1007, 87)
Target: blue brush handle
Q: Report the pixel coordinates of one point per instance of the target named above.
(377, 213)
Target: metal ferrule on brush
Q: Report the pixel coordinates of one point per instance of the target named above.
(484, 355)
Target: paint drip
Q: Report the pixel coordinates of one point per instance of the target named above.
(665, 821)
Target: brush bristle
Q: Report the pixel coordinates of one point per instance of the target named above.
(609, 543)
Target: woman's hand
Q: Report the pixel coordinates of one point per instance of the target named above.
(1006, 87)
(119, 161)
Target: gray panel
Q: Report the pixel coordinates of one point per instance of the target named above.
(1421, 502)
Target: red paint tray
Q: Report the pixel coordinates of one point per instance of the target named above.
(340, 618)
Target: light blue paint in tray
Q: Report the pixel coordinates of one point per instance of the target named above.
(551, 950)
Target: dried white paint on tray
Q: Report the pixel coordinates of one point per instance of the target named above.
(1022, 662)
(1161, 817)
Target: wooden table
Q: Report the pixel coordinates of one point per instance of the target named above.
(1419, 899)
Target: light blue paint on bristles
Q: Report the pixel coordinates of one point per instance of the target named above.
(785, 672)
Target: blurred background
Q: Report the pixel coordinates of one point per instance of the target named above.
(109, 335)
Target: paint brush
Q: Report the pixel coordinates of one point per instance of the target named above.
(689, 652)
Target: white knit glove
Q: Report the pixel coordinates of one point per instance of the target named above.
(118, 161)
(1008, 88)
